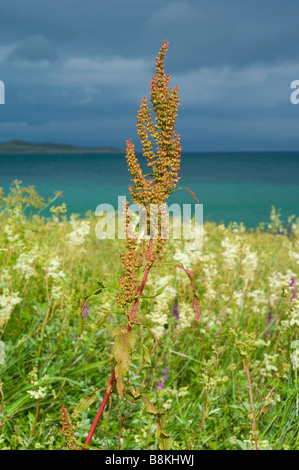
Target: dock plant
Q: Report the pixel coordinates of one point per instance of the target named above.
(162, 152)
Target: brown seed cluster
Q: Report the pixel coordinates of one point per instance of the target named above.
(164, 160)
(68, 430)
(132, 261)
(162, 150)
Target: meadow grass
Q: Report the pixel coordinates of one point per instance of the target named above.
(194, 371)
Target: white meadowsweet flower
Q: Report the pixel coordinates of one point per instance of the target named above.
(184, 258)
(210, 273)
(53, 269)
(269, 368)
(5, 278)
(249, 263)
(10, 235)
(57, 292)
(259, 300)
(25, 263)
(186, 316)
(294, 316)
(277, 282)
(294, 255)
(81, 228)
(158, 330)
(8, 300)
(231, 251)
(37, 394)
(238, 228)
(239, 298)
(162, 305)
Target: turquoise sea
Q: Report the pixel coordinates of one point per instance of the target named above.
(231, 186)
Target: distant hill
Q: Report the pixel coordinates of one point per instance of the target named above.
(21, 146)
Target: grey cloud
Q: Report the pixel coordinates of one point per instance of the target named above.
(205, 33)
(77, 69)
(34, 49)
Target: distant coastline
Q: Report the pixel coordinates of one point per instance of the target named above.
(16, 147)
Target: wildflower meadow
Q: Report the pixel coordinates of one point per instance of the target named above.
(146, 343)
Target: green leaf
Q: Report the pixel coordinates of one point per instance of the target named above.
(132, 395)
(241, 444)
(147, 355)
(122, 349)
(148, 329)
(85, 403)
(94, 290)
(87, 367)
(159, 292)
(149, 407)
(164, 439)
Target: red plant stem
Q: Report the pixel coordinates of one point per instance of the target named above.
(111, 380)
(251, 401)
(101, 409)
(143, 282)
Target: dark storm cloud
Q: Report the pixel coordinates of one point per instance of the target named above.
(235, 32)
(75, 70)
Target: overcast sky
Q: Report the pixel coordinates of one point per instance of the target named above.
(76, 70)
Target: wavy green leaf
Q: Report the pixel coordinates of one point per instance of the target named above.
(122, 349)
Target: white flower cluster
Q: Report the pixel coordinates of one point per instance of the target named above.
(210, 272)
(41, 392)
(238, 228)
(260, 301)
(53, 269)
(11, 237)
(294, 317)
(55, 272)
(5, 278)
(8, 300)
(183, 258)
(262, 445)
(25, 263)
(294, 255)
(81, 228)
(239, 299)
(278, 281)
(162, 305)
(295, 355)
(186, 315)
(272, 399)
(235, 250)
(268, 366)
(249, 263)
(231, 251)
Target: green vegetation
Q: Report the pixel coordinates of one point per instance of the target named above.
(22, 147)
(195, 371)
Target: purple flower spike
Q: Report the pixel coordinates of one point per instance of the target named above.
(160, 385)
(294, 291)
(270, 316)
(175, 310)
(164, 378)
(85, 311)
